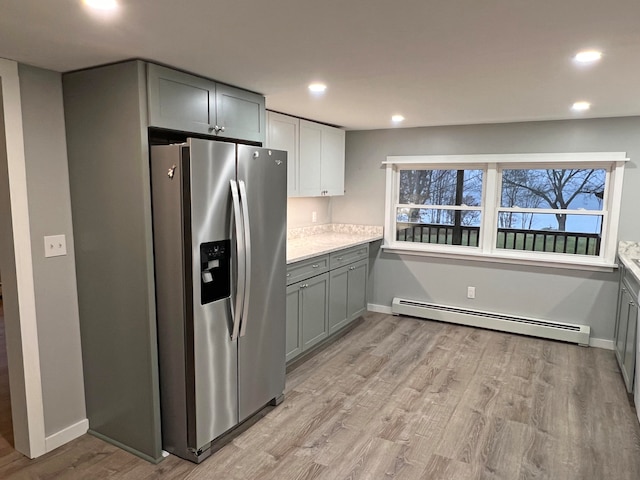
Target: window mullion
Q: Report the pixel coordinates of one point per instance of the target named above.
(490, 204)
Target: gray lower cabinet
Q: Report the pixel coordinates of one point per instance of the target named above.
(324, 295)
(348, 294)
(307, 314)
(627, 326)
(184, 102)
(294, 332)
(314, 296)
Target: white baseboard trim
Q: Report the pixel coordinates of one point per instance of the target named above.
(601, 343)
(66, 435)
(593, 342)
(372, 307)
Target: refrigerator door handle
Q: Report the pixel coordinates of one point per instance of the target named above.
(236, 313)
(247, 242)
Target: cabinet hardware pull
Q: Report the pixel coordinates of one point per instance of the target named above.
(339, 259)
(315, 265)
(288, 274)
(352, 268)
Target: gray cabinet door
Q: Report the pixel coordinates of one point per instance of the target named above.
(309, 160)
(338, 288)
(621, 324)
(347, 294)
(179, 101)
(357, 289)
(315, 295)
(241, 114)
(283, 134)
(294, 332)
(626, 331)
(629, 363)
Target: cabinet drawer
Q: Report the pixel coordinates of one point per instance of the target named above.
(304, 269)
(349, 255)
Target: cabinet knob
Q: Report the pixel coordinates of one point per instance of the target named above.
(304, 285)
(352, 268)
(216, 128)
(288, 274)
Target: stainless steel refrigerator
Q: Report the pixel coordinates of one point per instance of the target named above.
(219, 228)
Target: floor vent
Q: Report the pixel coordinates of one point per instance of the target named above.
(565, 332)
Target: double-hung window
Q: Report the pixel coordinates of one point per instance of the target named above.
(552, 209)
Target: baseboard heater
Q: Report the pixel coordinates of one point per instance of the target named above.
(565, 332)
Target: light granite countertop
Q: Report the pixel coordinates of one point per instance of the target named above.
(628, 252)
(308, 242)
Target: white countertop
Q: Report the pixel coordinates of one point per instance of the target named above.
(313, 241)
(628, 252)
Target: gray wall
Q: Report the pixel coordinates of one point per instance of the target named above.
(55, 278)
(300, 210)
(558, 294)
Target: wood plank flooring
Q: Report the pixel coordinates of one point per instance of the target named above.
(411, 399)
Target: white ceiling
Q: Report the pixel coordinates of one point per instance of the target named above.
(436, 62)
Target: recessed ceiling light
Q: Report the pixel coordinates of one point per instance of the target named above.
(397, 118)
(102, 4)
(588, 56)
(317, 87)
(580, 106)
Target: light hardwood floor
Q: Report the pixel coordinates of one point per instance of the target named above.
(410, 399)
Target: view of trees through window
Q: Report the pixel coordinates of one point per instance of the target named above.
(525, 216)
(558, 189)
(451, 196)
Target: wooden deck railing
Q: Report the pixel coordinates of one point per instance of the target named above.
(508, 238)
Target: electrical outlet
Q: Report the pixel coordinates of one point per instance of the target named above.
(314, 217)
(55, 245)
(471, 292)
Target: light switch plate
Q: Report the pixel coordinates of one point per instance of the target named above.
(55, 245)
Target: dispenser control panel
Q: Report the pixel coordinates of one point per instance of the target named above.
(215, 271)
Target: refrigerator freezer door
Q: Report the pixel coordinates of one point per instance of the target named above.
(261, 350)
(212, 166)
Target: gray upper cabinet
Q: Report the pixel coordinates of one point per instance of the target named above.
(240, 114)
(316, 155)
(184, 102)
(283, 133)
(179, 101)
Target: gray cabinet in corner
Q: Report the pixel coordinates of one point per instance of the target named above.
(184, 102)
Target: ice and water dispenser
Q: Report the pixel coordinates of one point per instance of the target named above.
(215, 271)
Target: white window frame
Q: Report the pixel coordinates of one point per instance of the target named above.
(492, 165)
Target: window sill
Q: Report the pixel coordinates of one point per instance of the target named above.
(509, 257)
